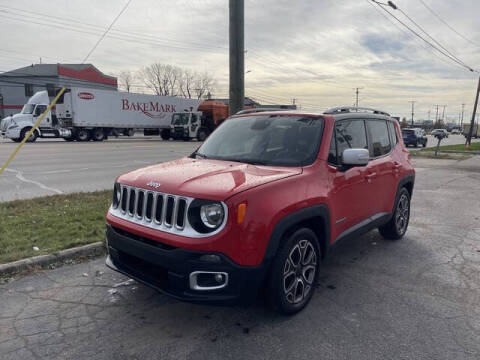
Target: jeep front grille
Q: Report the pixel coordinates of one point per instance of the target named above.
(157, 210)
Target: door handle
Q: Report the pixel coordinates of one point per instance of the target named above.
(397, 165)
(370, 176)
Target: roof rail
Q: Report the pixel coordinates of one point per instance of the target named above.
(350, 109)
(257, 110)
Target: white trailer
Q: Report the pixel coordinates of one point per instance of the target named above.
(89, 114)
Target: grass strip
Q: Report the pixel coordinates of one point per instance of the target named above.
(51, 223)
(474, 146)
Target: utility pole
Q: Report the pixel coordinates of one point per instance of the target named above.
(413, 111)
(463, 110)
(428, 115)
(470, 131)
(293, 101)
(356, 95)
(436, 114)
(237, 56)
(443, 114)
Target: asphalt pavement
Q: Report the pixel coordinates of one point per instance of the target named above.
(417, 298)
(53, 166)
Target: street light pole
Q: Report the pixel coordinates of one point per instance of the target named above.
(237, 54)
(413, 107)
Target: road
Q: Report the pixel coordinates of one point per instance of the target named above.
(53, 166)
(417, 298)
(451, 140)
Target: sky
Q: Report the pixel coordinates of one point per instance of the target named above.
(313, 51)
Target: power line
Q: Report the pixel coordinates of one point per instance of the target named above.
(106, 31)
(448, 25)
(425, 40)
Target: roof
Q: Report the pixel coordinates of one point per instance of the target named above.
(86, 72)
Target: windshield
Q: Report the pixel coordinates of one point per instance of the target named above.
(408, 132)
(277, 140)
(180, 119)
(28, 109)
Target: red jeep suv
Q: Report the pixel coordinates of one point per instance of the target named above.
(259, 205)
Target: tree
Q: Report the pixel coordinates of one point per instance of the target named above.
(171, 80)
(404, 123)
(125, 80)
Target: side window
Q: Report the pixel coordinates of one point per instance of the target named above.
(350, 134)
(393, 133)
(40, 109)
(380, 142)
(332, 153)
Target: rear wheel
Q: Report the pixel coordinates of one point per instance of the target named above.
(98, 134)
(165, 134)
(294, 272)
(129, 132)
(82, 134)
(398, 224)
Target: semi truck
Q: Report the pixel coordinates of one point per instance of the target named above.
(199, 124)
(83, 114)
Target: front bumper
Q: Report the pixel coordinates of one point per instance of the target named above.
(167, 269)
(13, 133)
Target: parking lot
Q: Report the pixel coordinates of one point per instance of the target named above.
(417, 298)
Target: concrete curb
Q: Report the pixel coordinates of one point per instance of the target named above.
(460, 152)
(43, 261)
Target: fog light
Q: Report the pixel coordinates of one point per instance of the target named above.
(208, 280)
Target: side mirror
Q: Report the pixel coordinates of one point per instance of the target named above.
(355, 157)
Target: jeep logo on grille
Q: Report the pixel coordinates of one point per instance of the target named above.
(153, 184)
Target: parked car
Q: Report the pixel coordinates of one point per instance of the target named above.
(439, 132)
(260, 204)
(415, 137)
(455, 131)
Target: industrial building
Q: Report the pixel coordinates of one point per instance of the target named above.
(18, 85)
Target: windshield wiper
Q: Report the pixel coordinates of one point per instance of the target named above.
(200, 155)
(247, 161)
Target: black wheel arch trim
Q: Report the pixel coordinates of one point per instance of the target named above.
(287, 222)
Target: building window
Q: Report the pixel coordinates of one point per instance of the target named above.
(51, 89)
(28, 89)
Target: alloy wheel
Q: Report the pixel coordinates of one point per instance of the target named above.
(299, 271)
(402, 214)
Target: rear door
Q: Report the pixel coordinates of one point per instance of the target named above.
(382, 164)
(352, 195)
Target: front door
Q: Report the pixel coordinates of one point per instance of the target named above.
(353, 194)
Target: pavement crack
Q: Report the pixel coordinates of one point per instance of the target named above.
(19, 176)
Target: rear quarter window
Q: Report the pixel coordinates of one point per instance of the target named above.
(379, 138)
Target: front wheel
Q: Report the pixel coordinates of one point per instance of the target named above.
(32, 137)
(202, 135)
(397, 226)
(294, 272)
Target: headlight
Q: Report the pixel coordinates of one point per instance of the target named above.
(212, 215)
(206, 216)
(116, 195)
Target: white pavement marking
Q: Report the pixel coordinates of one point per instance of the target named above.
(61, 171)
(19, 176)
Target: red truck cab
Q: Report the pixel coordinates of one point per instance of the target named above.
(259, 205)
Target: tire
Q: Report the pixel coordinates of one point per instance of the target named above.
(396, 228)
(129, 132)
(32, 137)
(82, 134)
(416, 144)
(424, 144)
(17, 140)
(97, 134)
(285, 278)
(165, 134)
(202, 135)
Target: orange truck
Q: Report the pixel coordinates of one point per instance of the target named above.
(198, 124)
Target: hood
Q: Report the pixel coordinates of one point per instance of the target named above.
(22, 117)
(203, 178)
